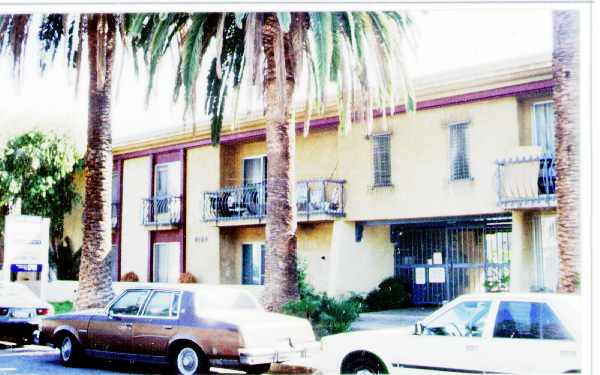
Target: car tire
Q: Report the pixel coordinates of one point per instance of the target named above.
(362, 363)
(189, 360)
(257, 369)
(70, 351)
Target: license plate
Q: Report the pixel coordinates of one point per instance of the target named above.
(21, 314)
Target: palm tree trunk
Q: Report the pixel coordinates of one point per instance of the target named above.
(95, 283)
(565, 63)
(280, 260)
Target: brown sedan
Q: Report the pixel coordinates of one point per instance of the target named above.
(189, 327)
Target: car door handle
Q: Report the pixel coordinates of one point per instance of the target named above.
(128, 325)
(472, 348)
(168, 327)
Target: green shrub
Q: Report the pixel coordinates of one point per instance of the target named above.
(392, 293)
(62, 307)
(327, 315)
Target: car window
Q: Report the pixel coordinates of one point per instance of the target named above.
(528, 320)
(162, 304)
(129, 303)
(465, 319)
(552, 328)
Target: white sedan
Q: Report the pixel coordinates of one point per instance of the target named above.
(477, 333)
(20, 312)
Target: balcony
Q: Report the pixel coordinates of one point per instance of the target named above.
(527, 181)
(114, 215)
(161, 212)
(316, 200)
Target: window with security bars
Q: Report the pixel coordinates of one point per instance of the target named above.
(459, 157)
(381, 160)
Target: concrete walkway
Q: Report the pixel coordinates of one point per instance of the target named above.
(391, 318)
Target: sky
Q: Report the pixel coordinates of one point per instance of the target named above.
(447, 40)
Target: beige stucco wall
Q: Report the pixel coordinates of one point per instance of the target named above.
(202, 238)
(359, 266)
(135, 238)
(73, 226)
(421, 166)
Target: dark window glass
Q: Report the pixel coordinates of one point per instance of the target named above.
(130, 303)
(459, 158)
(552, 328)
(382, 166)
(253, 258)
(526, 320)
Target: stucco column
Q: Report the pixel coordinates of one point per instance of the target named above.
(519, 257)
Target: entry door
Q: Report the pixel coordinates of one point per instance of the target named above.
(113, 332)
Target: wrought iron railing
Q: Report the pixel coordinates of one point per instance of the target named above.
(114, 214)
(162, 210)
(313, 197)
(527, 181)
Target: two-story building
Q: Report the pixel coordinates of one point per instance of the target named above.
(457, 197)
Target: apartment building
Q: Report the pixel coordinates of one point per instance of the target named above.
(455, 198)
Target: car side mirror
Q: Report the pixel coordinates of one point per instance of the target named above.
(418, 329)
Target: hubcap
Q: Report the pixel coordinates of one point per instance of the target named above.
(66, 349)
(187, 361)
(364, 371)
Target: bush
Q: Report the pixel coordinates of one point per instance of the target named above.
(62, 307)
(328, 315)
(130, 277)
(392, 293)
(187, 278)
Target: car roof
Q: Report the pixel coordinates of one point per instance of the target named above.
(501, 296)
(217, 288)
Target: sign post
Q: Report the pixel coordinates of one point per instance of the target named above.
(26, 244)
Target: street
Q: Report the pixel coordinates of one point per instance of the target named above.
(34, 360)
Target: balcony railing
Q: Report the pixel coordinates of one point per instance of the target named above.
(313, 198)
(527, 181)
(161, 211)
(114, 214)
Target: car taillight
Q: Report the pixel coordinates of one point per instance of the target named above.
(41, 311)
(3, 311)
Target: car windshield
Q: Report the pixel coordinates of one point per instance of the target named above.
(465, 319)
(224, 299)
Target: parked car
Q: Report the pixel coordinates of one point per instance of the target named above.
(20, 312)
(191, 327)
(479, 333)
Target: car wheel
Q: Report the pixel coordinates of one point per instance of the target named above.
(257, 369)
(188, 360)
(363, 363)
(69, 350)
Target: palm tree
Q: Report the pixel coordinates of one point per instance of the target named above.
(95, 288)
(565, 65)
(359, 52)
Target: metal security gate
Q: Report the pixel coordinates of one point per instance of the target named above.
(443, 260)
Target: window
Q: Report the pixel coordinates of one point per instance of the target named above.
(114, 266)
(382, 166)
(253, 260)
(464, 319)
(255, 170)
(545, 252)
(129, 303)
(115, 187)
(163, 304)
(167, 183)
(528, 320)
(166, 262)
(543, 126)
(459, 158)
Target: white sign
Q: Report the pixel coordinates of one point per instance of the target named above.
(437, 258)
(437, 275)
(26, 241)
(420, 275)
